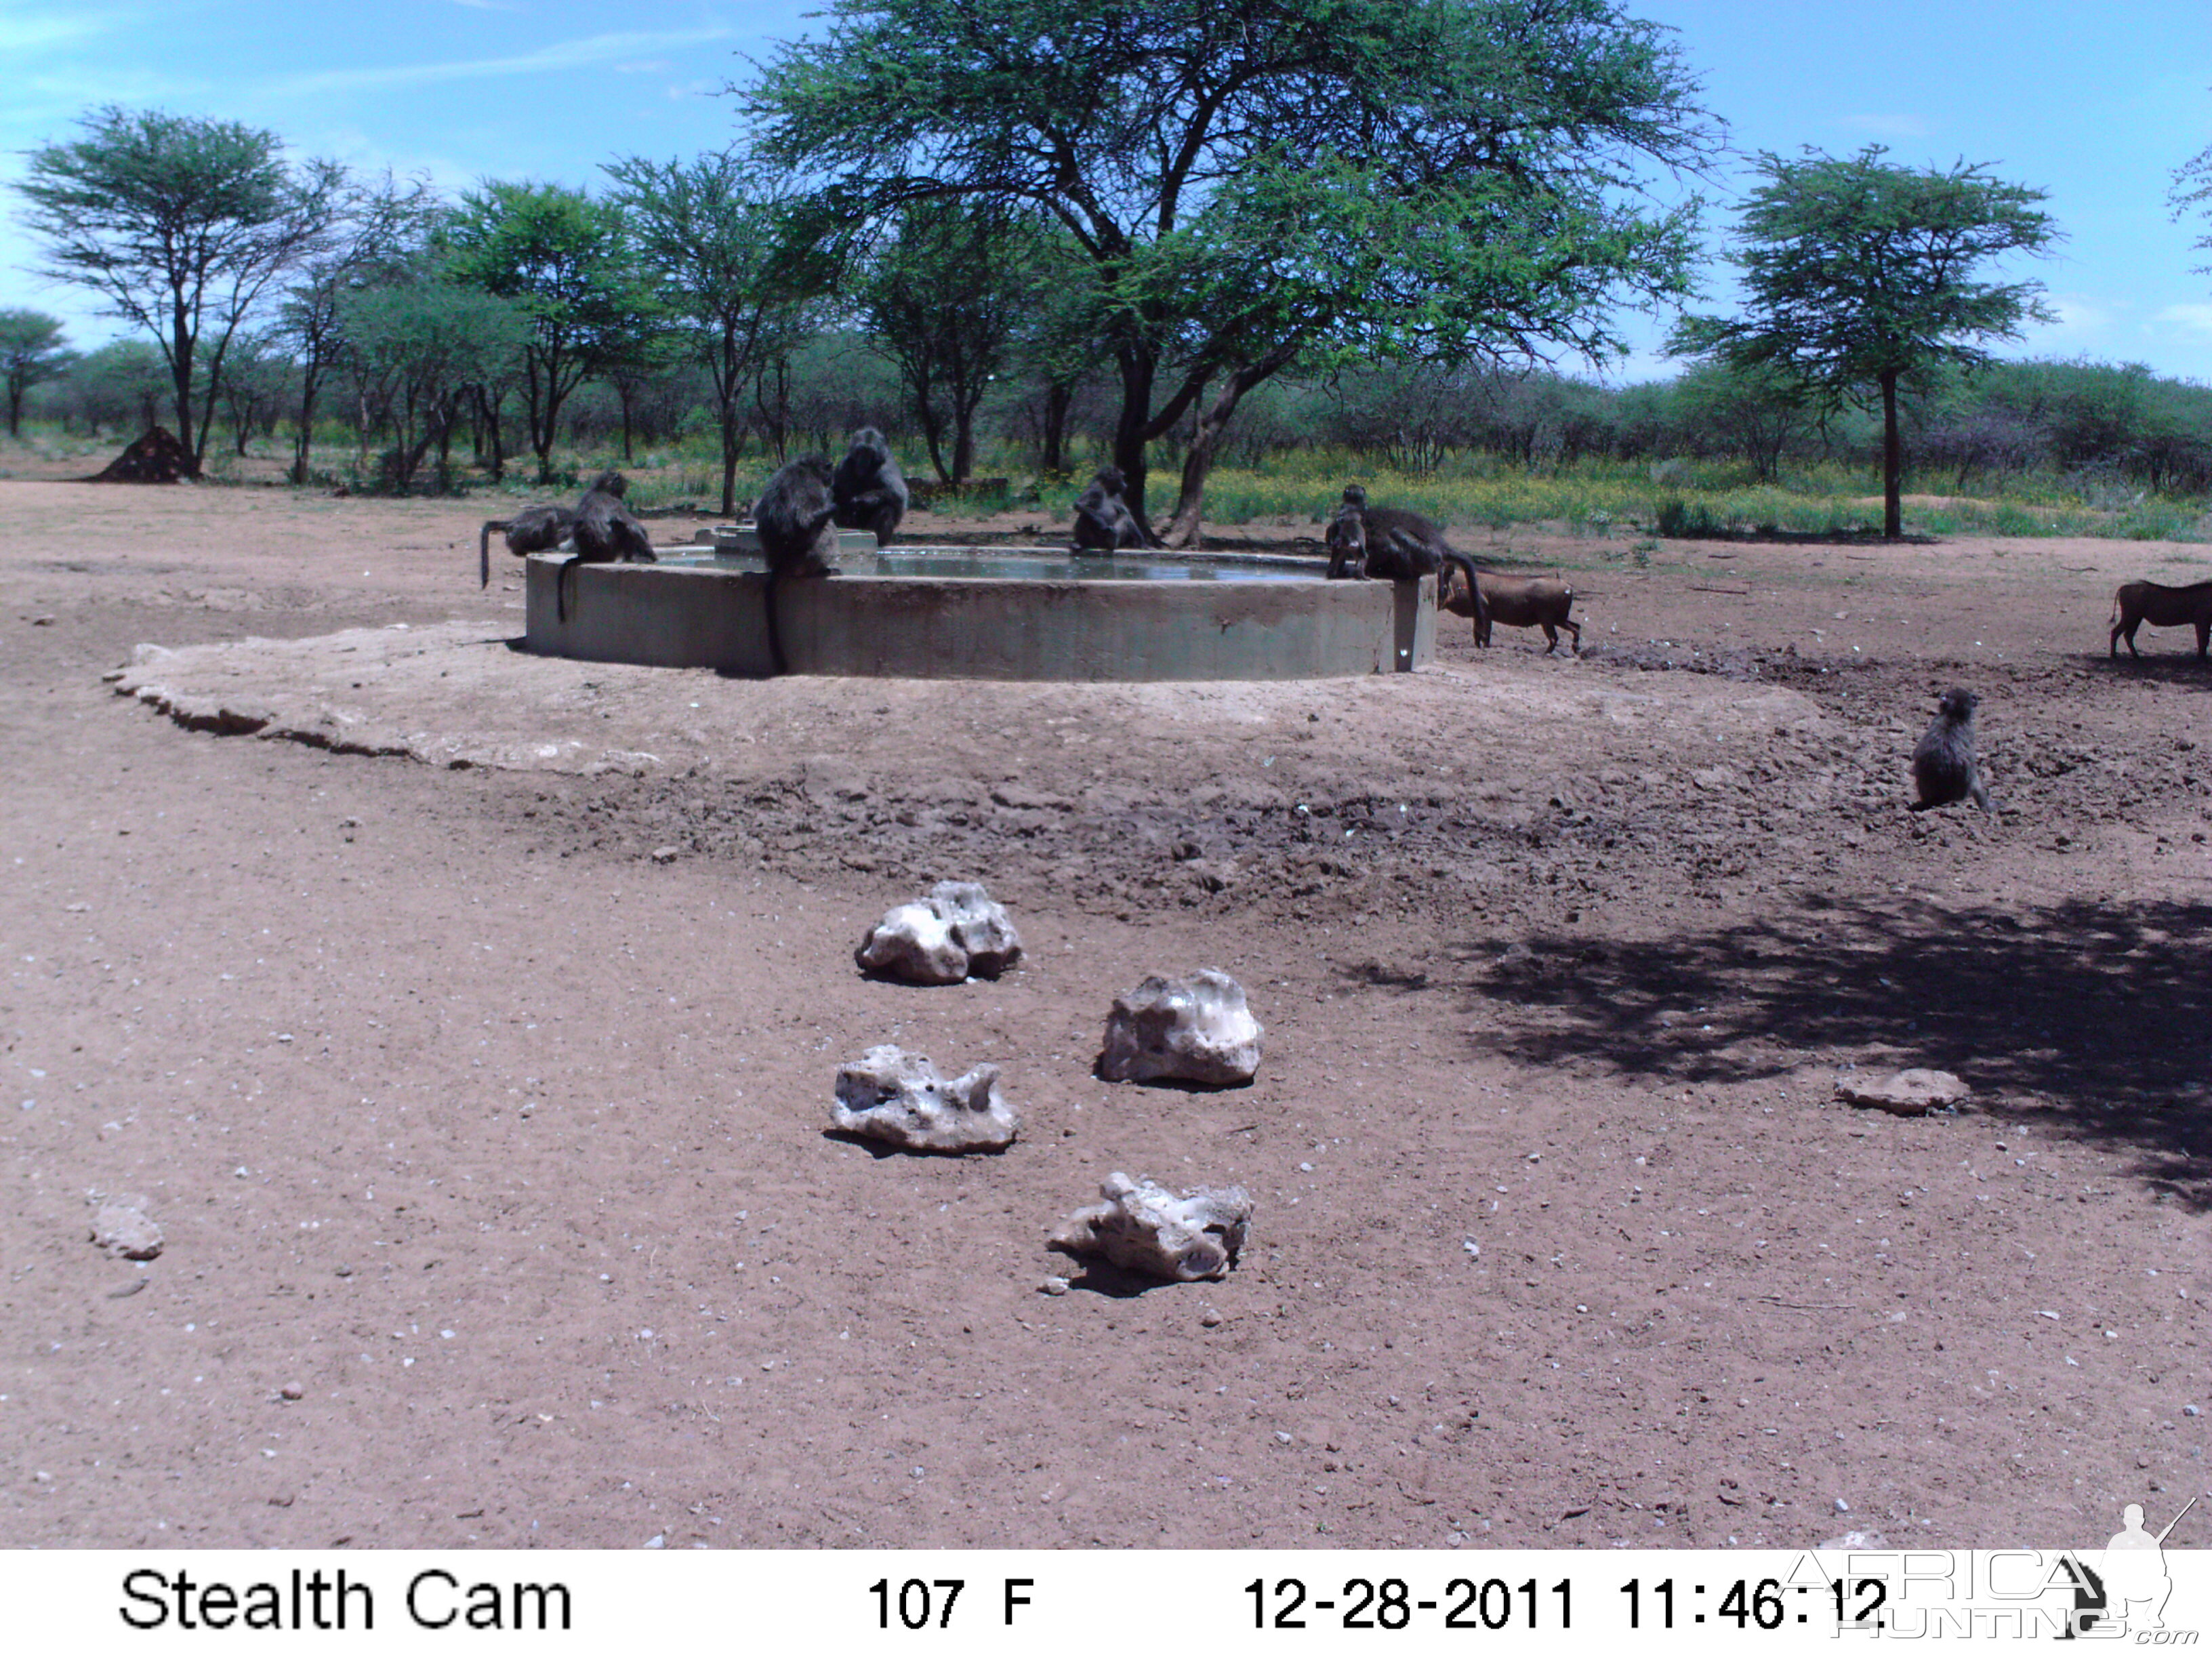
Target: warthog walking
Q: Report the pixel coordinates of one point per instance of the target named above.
(2137, 603)
(1518, 601)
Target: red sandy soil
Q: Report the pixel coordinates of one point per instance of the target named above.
(501, 1143)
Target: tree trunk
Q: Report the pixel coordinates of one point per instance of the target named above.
(1210, 424)
(181, 371)
(1893, 461)
(1139, 370)
(1059, 400)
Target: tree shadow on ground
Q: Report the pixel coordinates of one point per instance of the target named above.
(2095, 1015)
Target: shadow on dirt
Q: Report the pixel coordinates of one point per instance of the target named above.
(2096, 1016)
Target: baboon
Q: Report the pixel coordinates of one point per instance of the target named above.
(793, 518)
(1347, 540)
(533, 529)
(604, 531)
(1943, 766)
(1397, 546)
(1103, 520)
(869, 488)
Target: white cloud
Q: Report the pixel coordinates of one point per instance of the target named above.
(26, 32)
(2197, 318)
(1889, 126)
(562, 54)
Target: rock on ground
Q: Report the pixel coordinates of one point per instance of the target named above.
(890, 1095)
(1190, 1031)
(1144, 1227)
(957, 932)
(1909, 1093)
(121, 1227)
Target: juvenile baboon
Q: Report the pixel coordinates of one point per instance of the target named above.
(792, 518)
(1103, 520)
(869, 488)
(1398, 545)
(533, 529)
(1943, 766)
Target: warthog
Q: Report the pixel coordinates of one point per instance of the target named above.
(1518, 601)
(2137, 603)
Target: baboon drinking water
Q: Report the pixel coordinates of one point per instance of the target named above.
(1393, 544)
(533, 529)
(793, 518)
(1944, 766)
(1103, 520)
(868, 488)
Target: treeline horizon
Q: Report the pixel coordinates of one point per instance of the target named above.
(2062, 422)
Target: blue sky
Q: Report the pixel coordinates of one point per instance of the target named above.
(2096, 104)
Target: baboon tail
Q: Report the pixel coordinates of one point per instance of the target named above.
(564, 588)
(484, 552)
(774, 627)
(1473, 587)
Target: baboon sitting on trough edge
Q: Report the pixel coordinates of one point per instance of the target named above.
(604, 531)
(1944, 766)
(793, 518)
(869, 490)
(1103, 520)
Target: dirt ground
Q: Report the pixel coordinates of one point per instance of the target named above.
(468, 1023)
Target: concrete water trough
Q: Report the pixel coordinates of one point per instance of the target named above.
(1010, 613)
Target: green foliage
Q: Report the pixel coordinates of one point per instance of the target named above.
(178, 224)
(31, 350)
(1250, 185)
(564, 259)
(943, 297)
(1860, 278)
(416, 347)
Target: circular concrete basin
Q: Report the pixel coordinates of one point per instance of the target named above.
(1036, 613)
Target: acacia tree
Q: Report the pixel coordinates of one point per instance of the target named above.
(31, 350)
(714, 234)
(377, 228)
(562, 257)
(941, 298)
(417, 348)
(1259, 183)
(1861, 277)
(180, 223)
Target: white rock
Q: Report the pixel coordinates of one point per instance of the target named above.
(1909, 1093)
(959, 930)
(121, 1227)
(1146, 1228)
(1192, 1030)
(890, 1095)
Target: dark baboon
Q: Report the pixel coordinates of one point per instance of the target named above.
(604, 530)
(869, 488)
(1944, 769)
(1347, 538)
(1397, 546)
(792, 518)
(1103, 520)
(533, 529)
